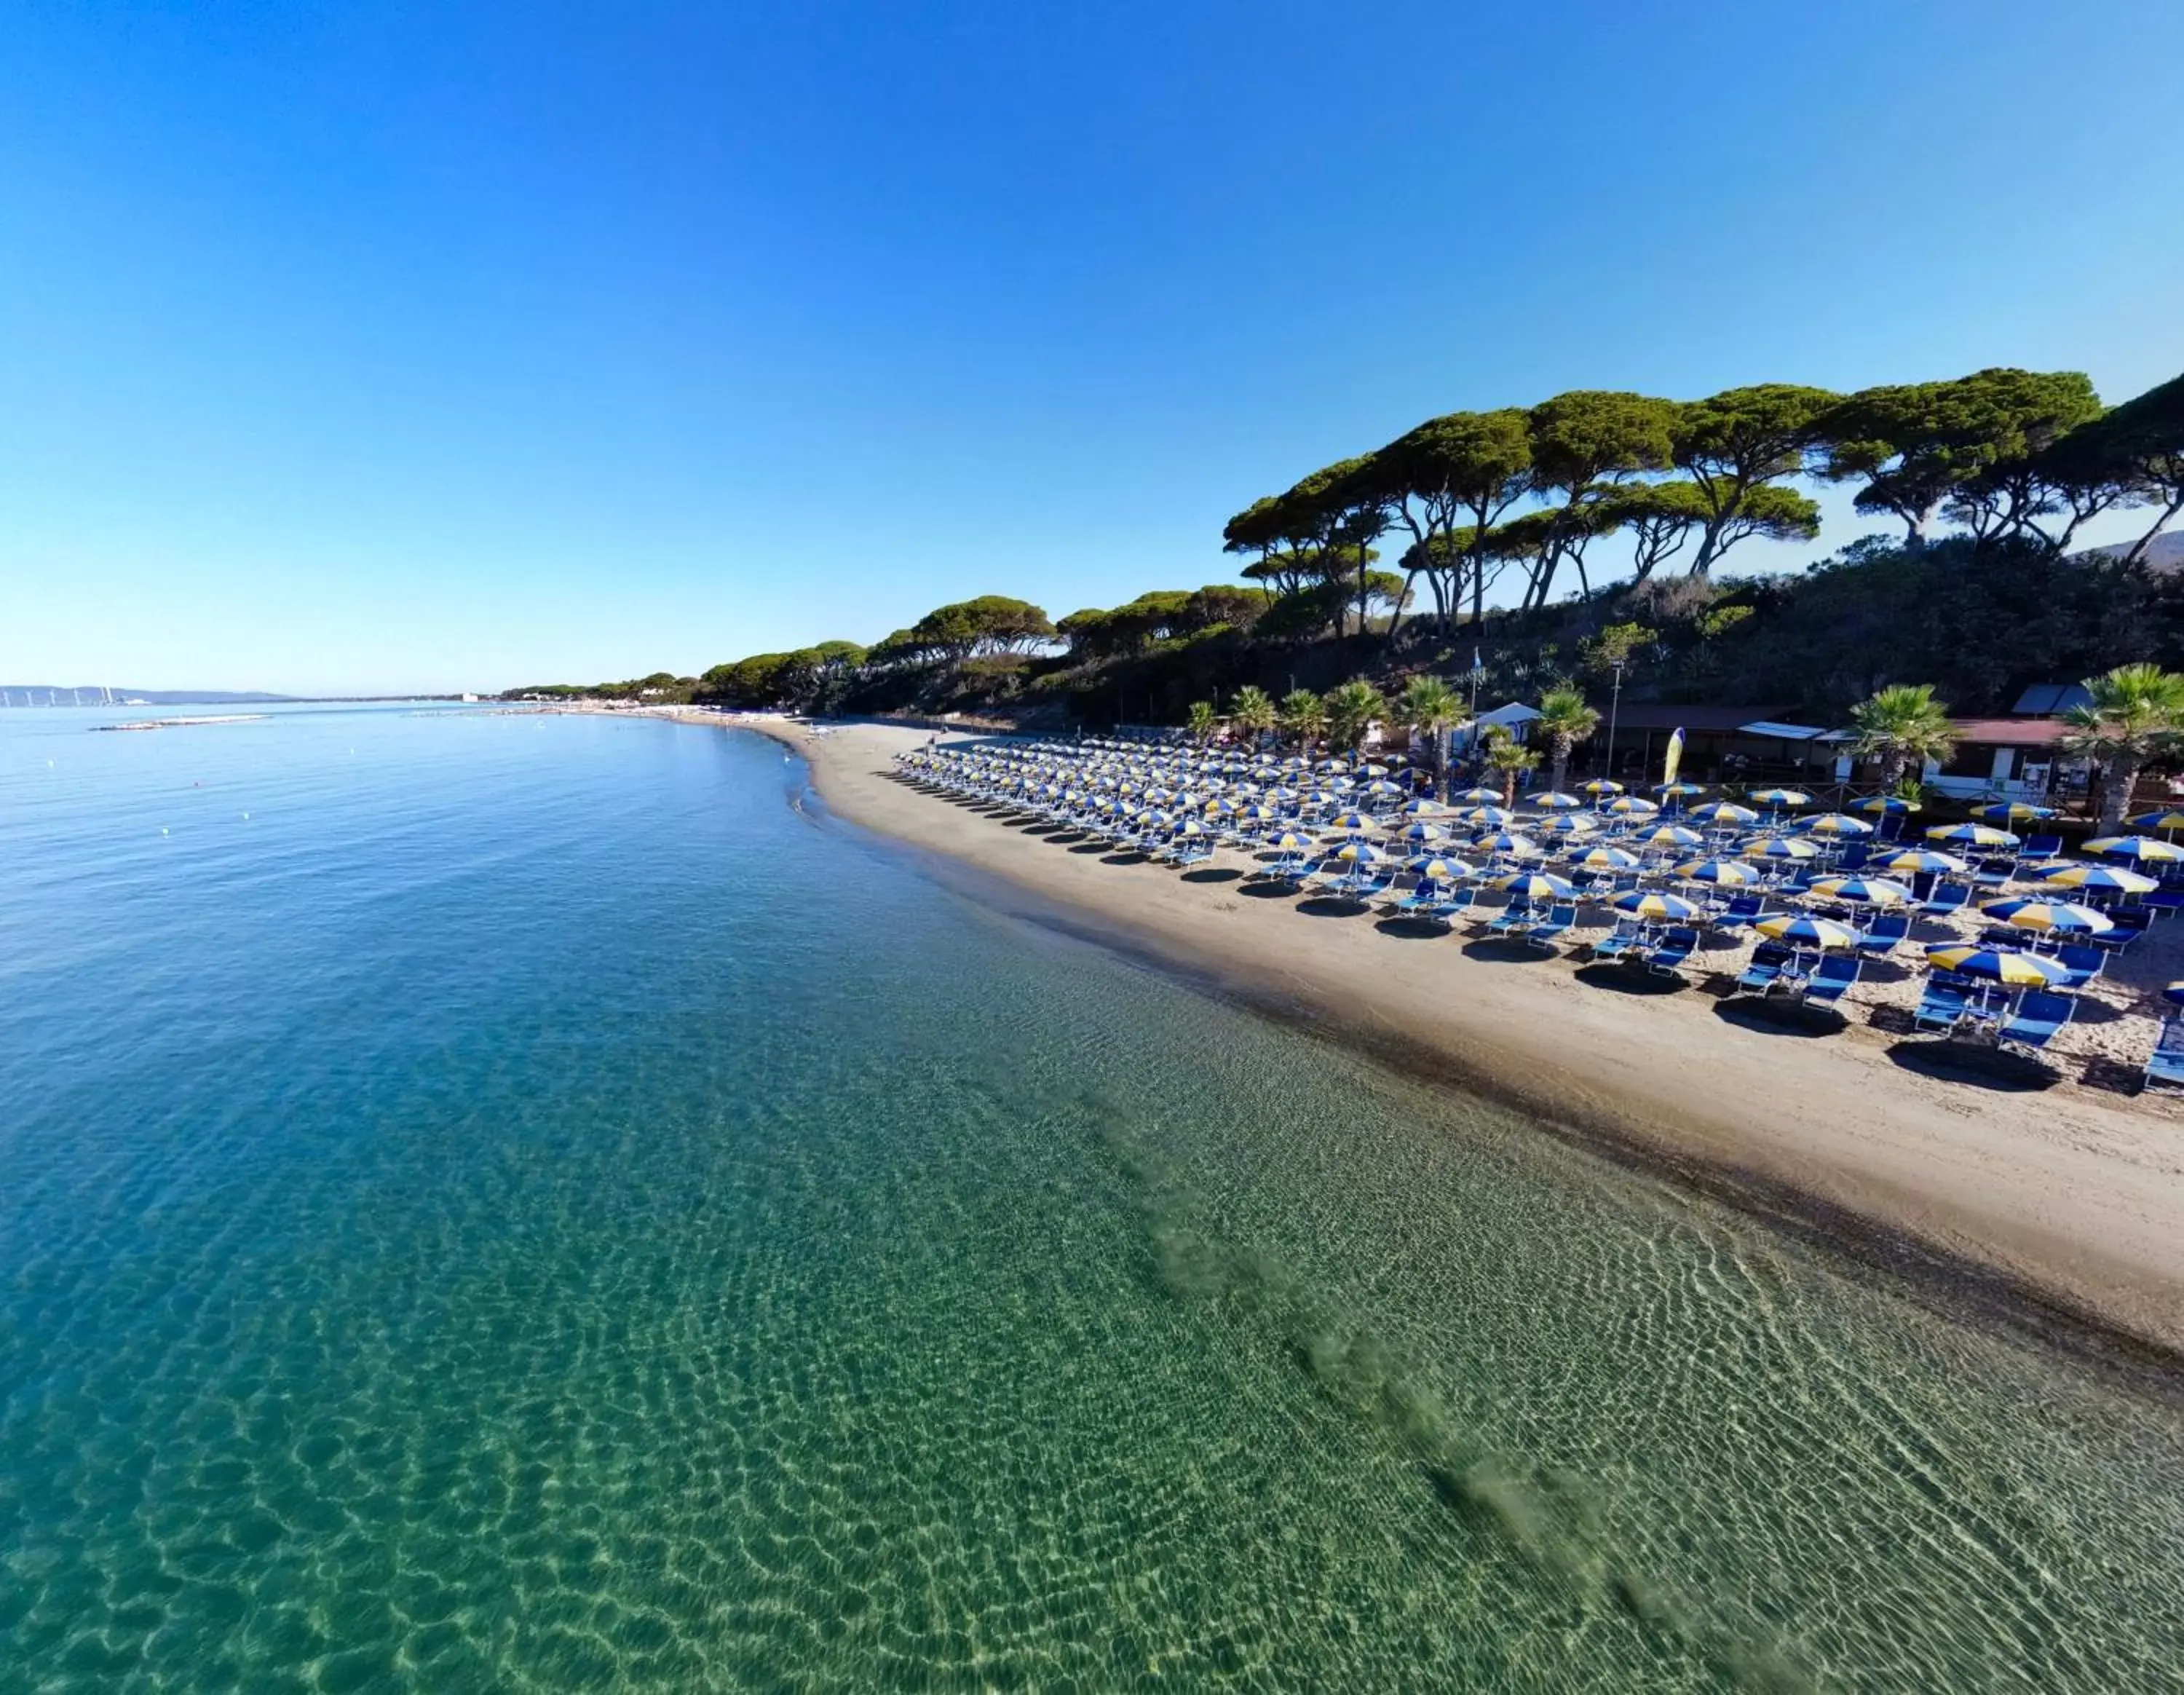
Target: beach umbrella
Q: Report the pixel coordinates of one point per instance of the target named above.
(2175, 992)
(1535, 885)
(1802, 929)
(2164, 820)
(1630, 806)
(1259, 813)
(1652, 903)
(1672, 835)
(1554, 801)
(1677, 791)
(2011, 812)
(1481, 796)
(1782, 797)
(1425, 808)
(1566, 825)
(1971, 835)
(2143, 849)
(2003, 965)
(1489, 818)
(1373, 770)
(2053, 918)
(1884, 806)
(1383, 789)
(1424, 833)
(1507, 843)
(1724, 812)
(1290, 841)
(1442, 869)
(1360, 853)
(1930, 862)
(1779, 847)
(1604, 858)
(1722, 874)
(1603, 785)
(1356, 822)
(1837, 824)
(2112, 879)
(1861, 891)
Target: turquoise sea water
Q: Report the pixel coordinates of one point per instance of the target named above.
(503, 1203)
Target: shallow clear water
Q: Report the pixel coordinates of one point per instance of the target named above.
(531, 1206)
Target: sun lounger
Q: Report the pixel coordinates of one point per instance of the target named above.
(1768, 961)
(2166, 1062)
(1993, 873)
(1854, 856)
(2164, 900)
(1743, 911)
(2038, 848)
(1513, 920)
(1621, 940)
(2039, 1015)
(1945, 899)
(1676, 946)
(1879, 938)
(1942, 1007)
(1830, 977)
(1557, 922)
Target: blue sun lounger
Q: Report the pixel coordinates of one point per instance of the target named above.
(2083, 963)
(1830, 977)
(1944, 1005)
(1557, 922)
(2165, 1064)
(1677, 945)
(1768, 961)
(1626, 938)
(1878, 939)
(2039, 1015)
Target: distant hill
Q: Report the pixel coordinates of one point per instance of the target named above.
(2166, 553)
(91, 694)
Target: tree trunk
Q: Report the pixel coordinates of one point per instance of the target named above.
(2117, 781)
(1560, 769)
(2138, 553)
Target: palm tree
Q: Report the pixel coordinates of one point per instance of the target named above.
(1203, 719)
(2137, 717)
(1429, 707)
(1903, 725)
(1565, 720)
(1304, 716)
(1252, 712)
(1352, 707)
(1509, 757)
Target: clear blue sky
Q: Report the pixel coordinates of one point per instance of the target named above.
(355, 347)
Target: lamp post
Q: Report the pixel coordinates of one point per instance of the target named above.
(1614, 708)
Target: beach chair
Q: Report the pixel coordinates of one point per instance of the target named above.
(1946, 899)
(1514, 919)
(1993, 873)
(1743, 911)
(2130, 922)
(1854, 856)
(1557, 922)
(2162, 901)
(1830, 977)
(1881, 937)
(1768, 961)
(1676, 945)
(2165, 1064)
(1941, 1006)
(2040, 847)
(1423, 899)
(2037, 1016)
(2084, 963)
(1620, 942)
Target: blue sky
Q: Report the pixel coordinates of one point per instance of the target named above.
(356, 347)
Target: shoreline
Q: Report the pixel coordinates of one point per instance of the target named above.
(2057, 1213)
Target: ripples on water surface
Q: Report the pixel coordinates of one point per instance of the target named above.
(531, 1208)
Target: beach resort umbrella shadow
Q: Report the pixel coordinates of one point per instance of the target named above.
(1619, 978)
(1090, 845)
(1503, 950)
(2095, 1011)
(1947, 1060)
(1127, 856)
(1268, 890)
(1780, 1018)
(1411, 929)
(1214, 873)
(1333, 905)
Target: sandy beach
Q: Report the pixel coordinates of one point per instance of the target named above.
(2059, 1209)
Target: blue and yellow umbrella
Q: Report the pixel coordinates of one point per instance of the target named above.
(1672, 835)
(2052, 917)
(1884, 806)
(1567, 826)
(1290, 841)
(1604, 858)
(1489, 818)
(1778, 848)
(1442, 869)
(1802, 929)
(1425, 808)
(1835, 824)
(1508, 842)
(1652, 904)
(1603, 785)
(1630, 806)
(1554, 801)
(1678, 791)
(1971, 835)
(2007, 966)
(1925, 861)
(1424, 832)
(1725, 812)
(1861, 891)
(2166, 819)
(2139, 850)
(2113, 879)
(1481, 797)
(1356, 822)
(1535, 885)
(2012, 812)
(1722, 874)
(1782, 797)
(1360, 853)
